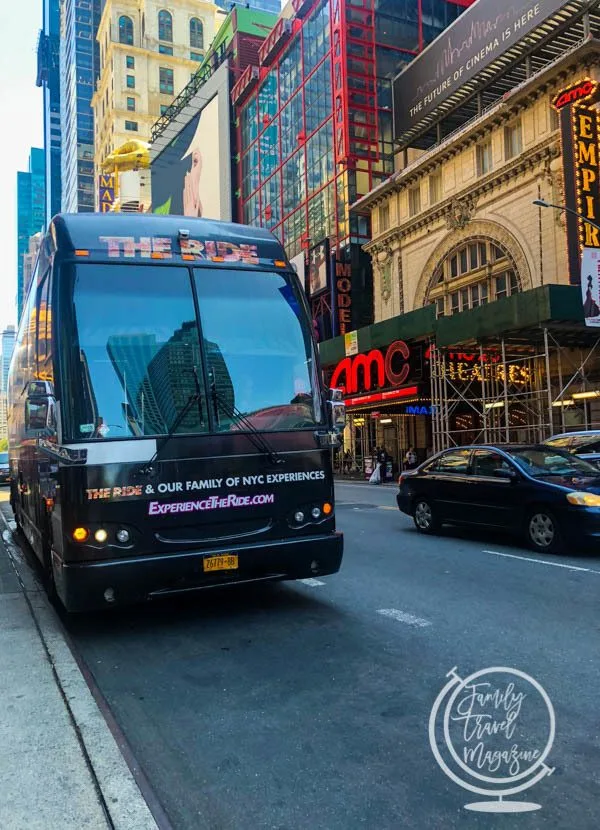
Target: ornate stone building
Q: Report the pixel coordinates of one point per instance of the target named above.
(478, 281)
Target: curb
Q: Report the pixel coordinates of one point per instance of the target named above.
(115, 778)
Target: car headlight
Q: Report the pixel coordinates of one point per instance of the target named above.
(584, 499)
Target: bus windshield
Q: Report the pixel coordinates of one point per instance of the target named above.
(138, 361)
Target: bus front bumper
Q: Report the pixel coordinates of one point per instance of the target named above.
(116, 582)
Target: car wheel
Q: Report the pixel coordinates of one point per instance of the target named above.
(543, 533)
(424, 516)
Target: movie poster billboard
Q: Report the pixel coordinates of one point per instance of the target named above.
(318, 268)
(191, 169)
(590, 285)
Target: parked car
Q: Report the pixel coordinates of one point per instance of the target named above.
(4, 468)
(546, 495)
(584, 444)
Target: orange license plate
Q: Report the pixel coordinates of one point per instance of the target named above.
(220, 563)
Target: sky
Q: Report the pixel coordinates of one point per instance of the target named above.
(21, 108)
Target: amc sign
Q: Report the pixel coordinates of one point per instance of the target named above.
(373, 370)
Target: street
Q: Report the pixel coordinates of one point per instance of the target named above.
(305, 705)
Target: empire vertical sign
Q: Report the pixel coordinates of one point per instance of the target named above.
(580, 128)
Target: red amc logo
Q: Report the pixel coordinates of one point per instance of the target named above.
(573, 94)
(361, 373)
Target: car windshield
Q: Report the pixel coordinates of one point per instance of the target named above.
(585, 443)
(137, 358)
(541, 462)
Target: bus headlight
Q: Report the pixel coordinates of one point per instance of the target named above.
(80, 534)
(123, 536)
(315, 513)
(101, 536)
(299, 517)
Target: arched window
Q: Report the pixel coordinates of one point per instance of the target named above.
(196, 34)
(165, 26)
(126, 30)
(477, 272)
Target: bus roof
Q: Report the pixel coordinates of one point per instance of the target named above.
(147, 236)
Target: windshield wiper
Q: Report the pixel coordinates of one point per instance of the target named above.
(193, 398)
(230, 411)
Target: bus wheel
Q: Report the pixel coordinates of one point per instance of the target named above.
(49, 583)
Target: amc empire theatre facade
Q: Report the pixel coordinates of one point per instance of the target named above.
(482, 331)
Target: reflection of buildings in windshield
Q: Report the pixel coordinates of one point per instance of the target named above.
(130, 356)
(171, 376)
(158, 380)
(220, 376)
(88, 402)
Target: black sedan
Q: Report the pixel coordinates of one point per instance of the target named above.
(550, 497)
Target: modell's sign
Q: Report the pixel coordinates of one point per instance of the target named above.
(375, 370)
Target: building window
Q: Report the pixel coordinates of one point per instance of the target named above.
(131, 104)
(163, 109)
(166, 80)
(384, 217)
(130, 62)
(435, 188)
(414, 200)
(196, 56)
(132, 126)
(126, 30)
(196, 34)
(165, 50)
(165, 26)
(130, 81)
(486, 268)
(513, 140)
(484, 158)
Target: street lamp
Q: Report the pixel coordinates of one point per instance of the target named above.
(544, 204)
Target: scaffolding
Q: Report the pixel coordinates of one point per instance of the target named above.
(510, 391)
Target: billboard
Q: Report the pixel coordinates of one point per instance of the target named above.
(590, 286)
(475, 39)
(191, 166)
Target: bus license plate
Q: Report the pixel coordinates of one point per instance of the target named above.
(221, 563)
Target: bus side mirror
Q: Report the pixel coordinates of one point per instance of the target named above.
(39, 414)
(338, 409)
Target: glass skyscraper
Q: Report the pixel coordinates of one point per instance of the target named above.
(48, 77)
(78, 73)
(31, 211)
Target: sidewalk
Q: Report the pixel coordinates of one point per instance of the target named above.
(60, 767)
(349, 480)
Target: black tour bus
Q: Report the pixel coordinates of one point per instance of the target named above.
(168, 425)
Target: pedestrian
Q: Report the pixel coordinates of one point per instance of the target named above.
(347, 461)
(410, 459)
(382, 461)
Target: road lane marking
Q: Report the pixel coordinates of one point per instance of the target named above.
(312, 583)
(402, 616)
(542, 562)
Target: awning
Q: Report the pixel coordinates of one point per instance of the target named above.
(519, 319)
